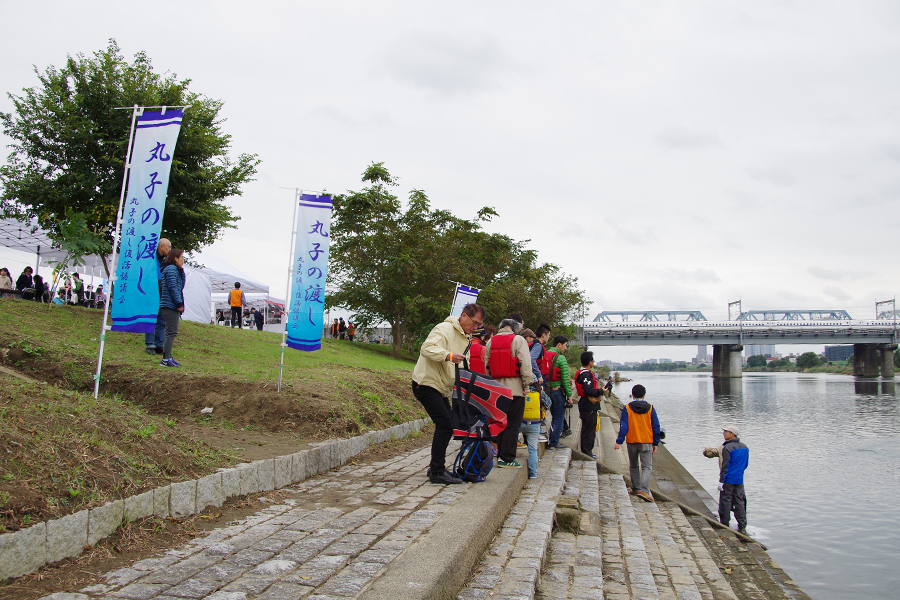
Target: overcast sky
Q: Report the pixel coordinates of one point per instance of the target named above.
(672, 155)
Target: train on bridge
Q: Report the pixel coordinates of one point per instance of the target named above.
(879, 325)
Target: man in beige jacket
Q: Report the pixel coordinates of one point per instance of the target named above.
(433, 378)
(510, 365)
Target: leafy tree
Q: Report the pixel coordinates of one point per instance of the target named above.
(396, 264)
(69, 146)
(757, 360)
(807, 360)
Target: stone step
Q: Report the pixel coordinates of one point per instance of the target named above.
(704, 569)
(574, 566)
(511, 568)
(626, 566)
(671, 567)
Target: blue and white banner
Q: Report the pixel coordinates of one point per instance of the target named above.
(309, 273)
(464, 295)
(136, 295)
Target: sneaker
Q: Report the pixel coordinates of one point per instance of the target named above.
(443, 477)
(159, 350)
(509, 465)
(742, 530)
(592, 455)
(168, 362)
(521, 445)
(174, 362)
(566, 433)
(150, 350)
(632, 491)
(542, 438)
(532, 477)
(645, 496)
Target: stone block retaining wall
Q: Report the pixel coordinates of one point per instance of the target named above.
(27, 550)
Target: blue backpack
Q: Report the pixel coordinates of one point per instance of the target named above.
(474, 461)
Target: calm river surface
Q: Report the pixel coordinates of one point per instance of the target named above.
(823, 485)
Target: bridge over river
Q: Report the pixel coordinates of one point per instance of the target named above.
(874, 341)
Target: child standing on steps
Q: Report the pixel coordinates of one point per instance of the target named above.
(639, 427)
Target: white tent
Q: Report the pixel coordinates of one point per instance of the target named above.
(203, 286)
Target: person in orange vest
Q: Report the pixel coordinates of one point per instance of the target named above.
(334, 329)
(639, 428)
(236, 301)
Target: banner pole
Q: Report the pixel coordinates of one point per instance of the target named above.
(286, 315)
(135, 111)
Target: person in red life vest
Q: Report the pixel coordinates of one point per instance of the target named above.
(589, 392)
(560, 390)
(434, 376)
(639, 427)
(476, 351)
(509, 362)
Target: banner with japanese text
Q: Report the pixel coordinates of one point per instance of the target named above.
(135, 301)
(464, 295)
(309, 273)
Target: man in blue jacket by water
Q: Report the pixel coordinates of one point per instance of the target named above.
(733, 462)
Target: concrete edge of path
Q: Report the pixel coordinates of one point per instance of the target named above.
(439, 563)
(27, 550)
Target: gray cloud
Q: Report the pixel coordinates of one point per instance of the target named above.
(375, 117)
(772, 175)
(693, 275)
(837, 293)
(679, 138)
(835, 275)
(447, 64)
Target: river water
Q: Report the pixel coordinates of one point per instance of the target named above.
(823, 485)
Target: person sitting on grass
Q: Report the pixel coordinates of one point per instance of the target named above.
(60, 297)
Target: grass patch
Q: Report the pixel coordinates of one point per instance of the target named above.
(63, 452)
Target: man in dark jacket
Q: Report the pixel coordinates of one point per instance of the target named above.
(734, 457)
(639, 427)
(154, 341)
(589, 393)
(257, 318)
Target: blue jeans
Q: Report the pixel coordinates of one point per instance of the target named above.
(530, 431)
(158, 337)
(558, 414)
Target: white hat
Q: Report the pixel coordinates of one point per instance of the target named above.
(732, 429)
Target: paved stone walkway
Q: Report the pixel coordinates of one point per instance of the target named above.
(337, 534)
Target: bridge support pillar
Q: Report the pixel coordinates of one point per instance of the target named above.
(727, 360)
(887, 360)
(865, 360)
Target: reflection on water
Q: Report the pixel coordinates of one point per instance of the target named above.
(824, 467)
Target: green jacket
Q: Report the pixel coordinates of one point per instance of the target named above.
(560, 361)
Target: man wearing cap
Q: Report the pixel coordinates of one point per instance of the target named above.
(733, 459)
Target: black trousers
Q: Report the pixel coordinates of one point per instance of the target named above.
(506, 441)
(236, 316)
(588, 428)
(733, 500)
(438, 408)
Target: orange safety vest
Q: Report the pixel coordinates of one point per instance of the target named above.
(234, 299)
(640, 428)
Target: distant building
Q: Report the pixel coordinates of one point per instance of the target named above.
(702, 355)
(652, 361)
(665, 360)
(838, 353)
(766, 350)
(632, 364)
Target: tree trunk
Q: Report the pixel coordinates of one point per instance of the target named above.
(395, 334)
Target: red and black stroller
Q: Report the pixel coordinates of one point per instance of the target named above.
(478, 414)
